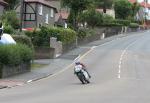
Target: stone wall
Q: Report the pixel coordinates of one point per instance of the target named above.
(57, 45)
(58, 48)
(6, 71)
(44, 53)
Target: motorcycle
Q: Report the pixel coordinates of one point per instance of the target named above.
(82, 75)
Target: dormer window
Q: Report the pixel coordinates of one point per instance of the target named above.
(40, 9)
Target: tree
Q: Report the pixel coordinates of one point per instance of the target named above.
(76, 8)
(123, 9)
(135, 8)
(92, 17)
(9, 18)
(104, 4)
(12, 3)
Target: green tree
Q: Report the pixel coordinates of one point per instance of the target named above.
(104, 4)
(10, 18)
(135, 8)
(76, 8)
(123, 9)
(92, 17)
(12, 3)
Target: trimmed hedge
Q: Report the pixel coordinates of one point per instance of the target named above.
(15, 54)
(23, 39)
(42, 37)
(134, 25)
(122, 22)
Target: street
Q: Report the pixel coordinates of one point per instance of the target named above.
(120, 71)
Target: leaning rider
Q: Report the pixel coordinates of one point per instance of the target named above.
(83, 67)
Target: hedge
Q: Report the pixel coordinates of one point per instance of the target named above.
(15, 54)
(122, 22)
(42, 37)
(23, 39)
(134, 25)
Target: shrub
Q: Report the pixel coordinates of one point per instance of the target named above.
(92, 17)
(107, 19)
(134, 25)
(67, 36)
(10, 18)
(42, 37)
(122, 22)
(8, 29)
(81, 33)
(23, 39)
(15, 54)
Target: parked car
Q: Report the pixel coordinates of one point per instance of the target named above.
(7, 39)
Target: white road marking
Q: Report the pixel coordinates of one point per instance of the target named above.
(121, 58)
(29, 81)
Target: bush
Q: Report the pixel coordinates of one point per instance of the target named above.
(134, 25)
(10, 18)
(42, 37)
(23, 39)
(8, 29)
(107, 19)
(112, 24)
(81, 33)
(92, 17)
(15, 54)
(67, 36)
(122, 22)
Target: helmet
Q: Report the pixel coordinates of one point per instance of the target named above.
(77, 63)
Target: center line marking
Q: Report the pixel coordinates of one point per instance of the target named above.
(121, 58)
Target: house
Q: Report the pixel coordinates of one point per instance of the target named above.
(3, 4)
(37, 13)
(144, 12)
(61, 18)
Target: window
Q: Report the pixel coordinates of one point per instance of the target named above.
(46, 18)
(40, 9)
(52, 12)
(29, 17)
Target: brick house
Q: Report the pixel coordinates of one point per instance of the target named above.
(3, 4)
(37, 13)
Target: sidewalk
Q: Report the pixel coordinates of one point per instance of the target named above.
(52, 65)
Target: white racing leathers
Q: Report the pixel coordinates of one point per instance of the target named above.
(79, 68)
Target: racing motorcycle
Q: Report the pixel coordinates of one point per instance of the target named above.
(81, 74)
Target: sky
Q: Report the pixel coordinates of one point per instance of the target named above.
(143, 0)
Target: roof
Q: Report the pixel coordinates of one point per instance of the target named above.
(63, 15)
(143, 4)
(44, 2)
(147, 5)
(3, 2)
(132, 1)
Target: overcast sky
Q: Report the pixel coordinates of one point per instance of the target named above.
(143, 0)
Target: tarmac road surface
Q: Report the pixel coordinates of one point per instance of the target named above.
(120, 72)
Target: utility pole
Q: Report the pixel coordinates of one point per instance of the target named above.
(21, 14)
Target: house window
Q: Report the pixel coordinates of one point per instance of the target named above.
(46, 18)
(52, 13)
(40, 9)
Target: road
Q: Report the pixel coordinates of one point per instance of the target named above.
(120, 72)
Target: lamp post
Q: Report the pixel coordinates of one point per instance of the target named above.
(21, 14)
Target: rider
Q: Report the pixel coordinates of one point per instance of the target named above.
(83, 67)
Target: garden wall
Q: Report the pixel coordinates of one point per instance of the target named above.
(6, 71)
